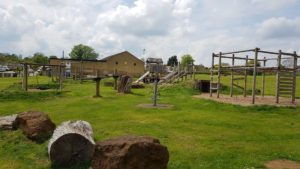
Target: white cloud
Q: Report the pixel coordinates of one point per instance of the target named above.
(162, 27)
(280, 28)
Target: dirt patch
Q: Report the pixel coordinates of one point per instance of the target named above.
(247, 101)
(282, 164)
(158, 106)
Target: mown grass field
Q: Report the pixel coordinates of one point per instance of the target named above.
(198, 133)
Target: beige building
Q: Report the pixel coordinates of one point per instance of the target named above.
(123, 63)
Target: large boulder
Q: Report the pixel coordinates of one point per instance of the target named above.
(130, 152)
(72, 143)
(37, 126)
(6, 122)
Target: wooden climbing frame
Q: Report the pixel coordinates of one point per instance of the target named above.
(285, 76)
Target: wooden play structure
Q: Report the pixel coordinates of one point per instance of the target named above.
(242, 66)
(57, 73)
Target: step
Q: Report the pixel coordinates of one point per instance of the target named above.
(285, 89)
(285, 93)
(240, 78)
(285, 86)
(290, 83)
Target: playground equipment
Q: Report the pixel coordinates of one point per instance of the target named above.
(142, 77)
(285, 75)
(56, 70)
(155, 67)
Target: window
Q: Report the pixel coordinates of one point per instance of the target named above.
(134, 64)
(117, 63)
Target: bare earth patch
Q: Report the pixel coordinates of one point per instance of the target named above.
(158, 106)
(247, 101)
(282, 164)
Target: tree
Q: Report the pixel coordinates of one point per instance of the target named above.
(53, 57)
(251, 62)
(6, 58)
(83, 52)
(186, 60)
(40, 58)
(172, 61)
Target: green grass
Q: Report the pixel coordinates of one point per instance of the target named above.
(198, 133)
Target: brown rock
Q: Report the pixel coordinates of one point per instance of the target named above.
(130, 152)
(36, 126)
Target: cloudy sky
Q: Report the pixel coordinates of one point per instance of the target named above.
(162, 27)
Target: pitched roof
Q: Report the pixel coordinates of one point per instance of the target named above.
(108, 57)
(154, 60)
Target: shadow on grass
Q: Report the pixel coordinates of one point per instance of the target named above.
(83, 165)
(22, 95)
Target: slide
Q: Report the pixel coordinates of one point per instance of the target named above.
(168, 76)
(142, 77)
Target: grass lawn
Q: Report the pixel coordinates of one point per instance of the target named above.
(198, 133)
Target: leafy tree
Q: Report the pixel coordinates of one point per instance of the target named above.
(83, 52)
(186, 60)
(40, 58)
(172, 61)
(9, 58)
(53, 57)
(251, 62)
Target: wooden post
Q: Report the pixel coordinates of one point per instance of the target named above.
(254, 76)
(115, 81)
(211, 74)
(263, 78)
(81, 71)
(155, 91)
(294, 77)
(98, 79)
(278, 76)
(231, 87)
(219, 75)
(194, 72)
(246, 77)
(60, 78)
(25, 77)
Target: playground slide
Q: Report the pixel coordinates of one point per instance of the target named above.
(142, 77)
(168, 76)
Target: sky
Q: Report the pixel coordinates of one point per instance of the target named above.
(162, 27)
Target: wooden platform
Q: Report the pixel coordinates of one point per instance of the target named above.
(246, 101)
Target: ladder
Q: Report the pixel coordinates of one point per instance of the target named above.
(285, 84)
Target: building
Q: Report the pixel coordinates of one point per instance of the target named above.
(123, 63)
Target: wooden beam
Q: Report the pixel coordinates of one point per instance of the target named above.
(241, 51)
(278, 76)
(60, 78)
(219, 75)
(211, 74)
(231, 87)
(263, 78)
(254, 76)
(25, 77)
(246, 76)
(294, 77)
